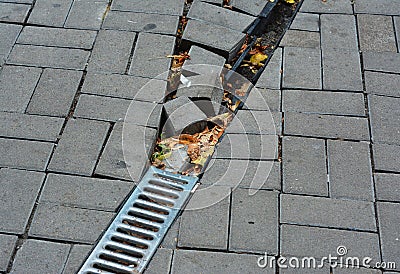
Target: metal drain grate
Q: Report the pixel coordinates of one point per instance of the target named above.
(132, 238)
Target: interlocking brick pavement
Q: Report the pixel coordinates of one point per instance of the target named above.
(69, 70)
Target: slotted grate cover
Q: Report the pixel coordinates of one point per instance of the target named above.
(132, 238)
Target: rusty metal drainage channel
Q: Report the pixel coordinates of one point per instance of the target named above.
(134, 235)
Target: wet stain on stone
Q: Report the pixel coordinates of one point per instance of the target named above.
(149, 27)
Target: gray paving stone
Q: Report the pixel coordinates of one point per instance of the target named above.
(327, 212)
(114, 162)
(382, 61)
(19, 190)
(8, 36)
(204, 87)
(7, 244)
(389, 217)
(219, 2)
(48, 57)
(224, 40)
(323, 102)
(40, 128)
(146, 60)
(111, 51)
(242, 173)
(125, 86)
(171, 7)
(254, 222)
(57, 37)
(319, 242)
(76, 257)
(341, 70)
(376, 33)
(338, 31)
(59, 222)
(385, 120)
(24, 154)
(220, 16)
(206, 227)
(171, 238)
(387, 187)
(324, 270)
(305, 21)
(17, 86)
(79, 147)
(302, 68)
(101, 108)
(304, 166)
(301, 39)
(271, 76)
(200, 56)
(353, 128)
(386, 157)
(387, 7)
(263, 99)
(40, 257)
(84, 192)
(396, 21)
(50, 13)
(2, 60)
(382, 83)
(161, 262)
(181, 113)
(334, 6)
(87, 14)
(254, 147)
(256, 122)
(11, 12)
(18, 1)
(141, 22)
(188, 261)
(144, 114)
(350, 171)
(253, 7)
(354, 270)
(55, 92)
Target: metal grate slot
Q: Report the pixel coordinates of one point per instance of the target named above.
(162, 192)
(118, 258)
(170, 185)
(132, 238)
(141, 223)
(157, 199)
(151, 207)
(111, 266)
(147, 215)
(124, 249)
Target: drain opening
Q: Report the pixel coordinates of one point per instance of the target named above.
(147, 216)
(151, 209)
(173, 187)
(161, 192)
(140, 223)
(171, 179)
(130, 242)
(119, 258)
(109, 268)
(124, 249)
(135, 233)
(156, 199)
